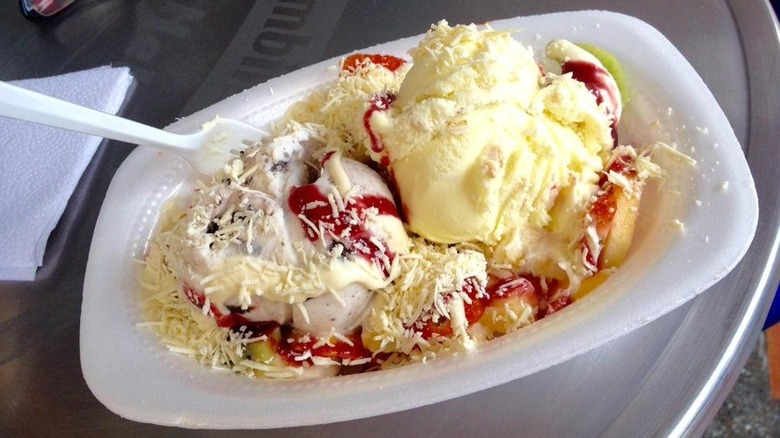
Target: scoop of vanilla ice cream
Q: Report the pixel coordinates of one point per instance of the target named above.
(470, 68)
(483, 147)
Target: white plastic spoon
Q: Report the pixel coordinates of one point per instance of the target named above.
(207, 149)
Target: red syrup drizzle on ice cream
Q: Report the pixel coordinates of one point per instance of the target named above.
(377, 103)
(596, 79)
(296, 348)
(525, 288)
(380, 102)
(383, 103)
(390, 62)
(348, 227)
(603, 208)
(474, 307)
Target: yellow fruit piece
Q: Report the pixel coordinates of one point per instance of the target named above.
(589, 284)
(505, 315)
(621, 231)
(371, 341)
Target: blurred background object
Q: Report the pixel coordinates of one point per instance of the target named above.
(41, 9)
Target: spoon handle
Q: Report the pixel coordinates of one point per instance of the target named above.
(20, 103)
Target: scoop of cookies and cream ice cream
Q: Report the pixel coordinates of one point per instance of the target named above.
(484, 147)
(264, 243)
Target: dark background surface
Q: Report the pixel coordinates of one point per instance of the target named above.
(750, 409)
(184, 56)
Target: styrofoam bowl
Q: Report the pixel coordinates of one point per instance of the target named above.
(694, 227)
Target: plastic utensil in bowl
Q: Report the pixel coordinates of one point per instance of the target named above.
(206, 149)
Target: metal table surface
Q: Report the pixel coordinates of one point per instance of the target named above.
(668, 378)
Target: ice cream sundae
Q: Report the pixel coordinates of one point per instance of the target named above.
(409, 209)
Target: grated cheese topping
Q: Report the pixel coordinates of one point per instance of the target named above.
(427, 289)
(339, 107)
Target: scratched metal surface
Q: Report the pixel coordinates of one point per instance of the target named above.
(668, 378)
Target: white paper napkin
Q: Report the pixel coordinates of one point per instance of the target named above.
(40, 166)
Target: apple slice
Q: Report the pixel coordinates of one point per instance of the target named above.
(621, 231)
(613, 214)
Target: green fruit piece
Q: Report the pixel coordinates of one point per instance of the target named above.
(264, 351)
(612, 65)
(261, 351)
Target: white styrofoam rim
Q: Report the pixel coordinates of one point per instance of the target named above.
(130, 372)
